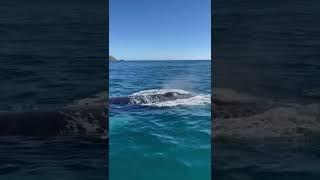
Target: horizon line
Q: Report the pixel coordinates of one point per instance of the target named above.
(163, 59)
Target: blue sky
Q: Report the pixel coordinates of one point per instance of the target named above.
(160, 29)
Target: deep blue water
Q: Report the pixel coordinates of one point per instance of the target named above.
(66, 158)
(52, 53)
(169, 140)
(269, 50)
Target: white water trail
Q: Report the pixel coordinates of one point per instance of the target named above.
(146, 98)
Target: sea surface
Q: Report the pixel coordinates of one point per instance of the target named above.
(52, 54)
(268, 51)
(158, 139)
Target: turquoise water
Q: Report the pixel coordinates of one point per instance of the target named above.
(160, 140)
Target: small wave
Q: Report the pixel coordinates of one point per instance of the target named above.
(198, 100)
(150, 98)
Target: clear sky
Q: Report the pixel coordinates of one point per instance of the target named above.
(160, 29)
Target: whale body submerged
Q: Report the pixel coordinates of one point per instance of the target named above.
(89, 117)
(142, 99)
(86, 118)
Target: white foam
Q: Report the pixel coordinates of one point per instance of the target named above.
(159, 91)
(277, 120)
(145, 96)
(294, 121)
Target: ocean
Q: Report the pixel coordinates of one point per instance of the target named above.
(266, 86)
(52, 54)
(153, 138)
(267, 72)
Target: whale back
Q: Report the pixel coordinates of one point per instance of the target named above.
(144, 99)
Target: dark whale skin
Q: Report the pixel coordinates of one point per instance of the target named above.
(169, 96)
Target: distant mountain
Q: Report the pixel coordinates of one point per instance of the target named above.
(111, 58)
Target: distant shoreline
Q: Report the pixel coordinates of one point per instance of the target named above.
(111, 58)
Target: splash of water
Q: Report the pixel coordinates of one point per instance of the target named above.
(147, 98)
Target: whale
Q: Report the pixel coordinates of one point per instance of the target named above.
(87, 117)
(144, 99)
